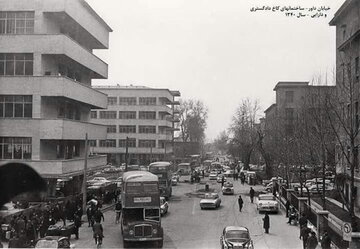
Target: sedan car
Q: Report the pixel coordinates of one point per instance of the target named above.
(229, 173)
(213, 176)
(54, 242)
(211, 200)
(220, 177)
(267, 202)
(236, 237)
(228, 188)
(164, 206)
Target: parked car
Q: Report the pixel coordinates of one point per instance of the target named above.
(174, 181)
(228, 188)
(236, 237)
(210, 200)
(164, 206)
(54, 242)
(267, 202)
(213, 175)
(97, 179)
(229, 173)
(317, 188)
(119, 182)
(219, 178)
(176, 176)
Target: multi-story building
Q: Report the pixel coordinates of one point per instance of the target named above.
(145, 116)
(46, 67)
(347, 23)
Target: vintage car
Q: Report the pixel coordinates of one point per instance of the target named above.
(164, 206)
(236, 237)
(267, 202)
(54, 242)
(213, 175)
(210, 200)
(219, 178)
(229, 173)
(228, 188)
(97, 180)
(174, 180)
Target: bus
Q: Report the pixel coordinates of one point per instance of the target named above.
(184, 168)
(140, 216)
(164, 171)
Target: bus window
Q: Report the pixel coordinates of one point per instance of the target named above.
(152, 214)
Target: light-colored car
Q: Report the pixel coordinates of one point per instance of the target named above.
(54, 242)
(210, 200)
(118, 181)
(228, 188)
(213, 176)
(219, 178)
(174, 181)
(236, 237)
(97, 180)
(229, 173)
(267, 202)
(164, 206)
(317, 188)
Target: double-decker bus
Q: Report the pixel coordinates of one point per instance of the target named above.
(164, 171)
(140, 216)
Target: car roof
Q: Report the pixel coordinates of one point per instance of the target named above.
(54, 238)
(134, 176)
(231, 228)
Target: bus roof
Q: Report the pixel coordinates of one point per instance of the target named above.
(135, 176)
(160, 164)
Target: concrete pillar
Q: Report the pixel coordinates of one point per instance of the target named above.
(321, 216)
(302, 202)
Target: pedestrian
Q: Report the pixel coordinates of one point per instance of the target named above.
(302, 222)
(98, 215)
(90, 214)
(266, 221)
(241, 202)
(305, 231)
(222, 180)
(312, 241)
(118, 208)
(292, 215)
(77, 223)
(252, 193)
(287, 206)
(325, 241)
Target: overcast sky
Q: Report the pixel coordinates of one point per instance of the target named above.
(217, 51)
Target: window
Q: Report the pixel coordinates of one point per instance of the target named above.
(92, 143)
(112, 100)
(147, 101)
(127, 128)
(15, 106)
(15, 148)
(127, 101)
(147, 115)
(131, 143)
(108, 143)
(69, 110)
(93, 114)
(20, 22)
(16, 64)
(111, 129)
(147, 129)
(127, 115)
(289, 96)
(289, 114)
(108, 114)
(147, 143)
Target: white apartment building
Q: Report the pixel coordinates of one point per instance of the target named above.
(46, 68)
(145, 115)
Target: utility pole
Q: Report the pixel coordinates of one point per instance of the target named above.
(85, 174)
(127, 154)
(150, 152)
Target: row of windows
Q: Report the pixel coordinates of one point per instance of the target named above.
(16, 22)
(131, 143)
(132, 100)
(125, 115)
(16, 64)
(149, 129)
(15, 147)
(15, 106)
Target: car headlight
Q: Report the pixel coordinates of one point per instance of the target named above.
(131, 232)
(154, 231)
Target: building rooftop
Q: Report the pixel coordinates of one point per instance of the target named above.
(92, 11)
(270, 107)
(133, 87)
(291, 84)
(341, 11)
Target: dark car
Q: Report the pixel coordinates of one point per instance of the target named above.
(54, 242)
(236, 237)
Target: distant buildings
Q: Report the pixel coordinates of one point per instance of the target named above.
(46, 68)
(145, 115)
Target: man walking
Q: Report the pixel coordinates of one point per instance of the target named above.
(287, 206)
(312, 241)
(325, 241)
(77, 223)
(266, 221)
(252, 194)
(305, 235)
(241, 202)
(222, 180)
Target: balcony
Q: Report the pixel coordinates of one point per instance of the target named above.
(53, 86)
(57, 44)
(103, 150)
(53, 129)
(56, 168)
(142, 108)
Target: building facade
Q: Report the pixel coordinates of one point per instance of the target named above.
(46, 68)
(146, 116)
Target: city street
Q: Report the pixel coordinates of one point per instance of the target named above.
(187, 226)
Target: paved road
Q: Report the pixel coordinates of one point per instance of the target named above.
(187, 226)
